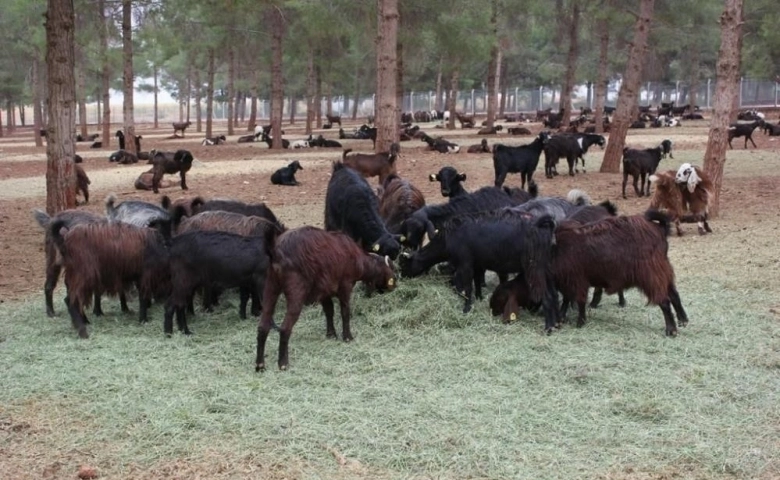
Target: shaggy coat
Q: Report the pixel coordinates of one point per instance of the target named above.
(140, 214)
(144, 181)
(310, 265)
(370, 165)
(82, 182)
(399, 200)
(685, 190)
(221, 222)
(198, 205)
(352, 207)
(286, 175)
(106, 258)
(615, 254)
(451, 182)
(181, 164)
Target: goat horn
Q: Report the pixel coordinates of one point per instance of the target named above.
(387, 260)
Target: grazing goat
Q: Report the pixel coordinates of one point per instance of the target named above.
(309, 265)
(136, 213)
(439, 144)
(370, 165)
(451, 182)
(640, 164)
(180, 163)
(123, 157)
(618, 253)
(687, 189)
(198, 205)
(286, 175)
(398, 201)
(105, 258)
(218, 140)
(203, 258)
(522, 160)
(466, 121)
(180, 127)
(481, 148)
(352, 207)
(744, 130)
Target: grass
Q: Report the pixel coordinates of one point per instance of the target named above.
(423, 391)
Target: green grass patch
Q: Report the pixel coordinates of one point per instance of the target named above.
(423, 389)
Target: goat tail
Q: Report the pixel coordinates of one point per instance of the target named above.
(41, 217)
(610, 207)
(344, 155)
(578, 197)
(110, 208)
(659, 218)
(56, 235)
(533, 189)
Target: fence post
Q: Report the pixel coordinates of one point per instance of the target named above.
(472, 102)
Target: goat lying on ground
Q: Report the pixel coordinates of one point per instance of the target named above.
(309, 265)
(123, 157)
(219, 140)
(144, 181)
(518, 131)
(439, 144)
(286, 175)
(481, 148)
(687, 189)
(640, 164)
(369, 165)
(771, 130)
(321, 141)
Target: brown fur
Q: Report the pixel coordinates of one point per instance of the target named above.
(82, 182)
(310, 265)
(107, 258)
(144, 181)
(399, 200)
(370, 165)
(225, 222)
(676, 199)
(481, 148)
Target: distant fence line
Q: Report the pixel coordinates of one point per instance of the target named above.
(753, 93)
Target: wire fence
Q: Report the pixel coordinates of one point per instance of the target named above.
(752, 93)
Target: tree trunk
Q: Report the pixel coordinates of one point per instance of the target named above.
(318, 95)
(37, 114)
(494, 67)
(189, 90)
(21, 114)
(452, 99)
(292, 109)
(127, 53)
(629, 89)
(61, 103)
(694, 79)
(726, 88)
(9, 115)
(329, 100)
(210, 95)
(252, 123)
(399, 83)
(438, 101)
(602, 82)
(81, 98)
(277, 79)
(386, 74)
(230, 88)
(357, 94)
(105, 75)
(504, 89)
(310, 92)
(155, 72)
(198, 98)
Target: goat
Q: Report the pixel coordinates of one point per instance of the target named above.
(687, 189)
(309, 265)
(398, 201)
(466, 121)
(640, 164)
(180, 163)
(451, 181)
(666, 149)
(286, 175)
(751, 115)
(218, 140)
(744, 130)
(518, 131)
(352, 207)
(270, 141)
(120, 135)
(249, 138)
(615, 254)
(369, 165)
(144, 181)
(136, 213)
(180, 127)
(104, 258)
(439, 144)
(198, 205)
(490, 131)
(87, 138)
(334, 119)
(522, 160)
(82, 182)
(123, 157)
(570, 146)
(320, 141)
(771, 130)
(481, 148)
(299, 144)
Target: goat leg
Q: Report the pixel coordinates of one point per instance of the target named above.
(621, 299)
(597, 293)
(327, 308)
(346, 332)
(243, 295)
(123, 303)
(674, 297)
(168, 318)
(181, 321)
(97, 308)
(52, 274)
(671, 327)
(78, 318)
(293, 312)
(183, 176)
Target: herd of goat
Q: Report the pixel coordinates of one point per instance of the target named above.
(556, 248)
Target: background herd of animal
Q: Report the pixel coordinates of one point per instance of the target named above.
(556, 248)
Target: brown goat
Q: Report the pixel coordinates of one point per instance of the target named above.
(687, 189)
(107, 258)
(310, 265)
(144, 181)
(220, 221)
(481, 148)
(180, 127)
(615, 254)
(398, 201)
(82, 182)
(371, 165)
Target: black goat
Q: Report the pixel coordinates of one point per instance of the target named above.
(286, 175)
(180, 163)
(744, 130)
(640, 164)
(218, 140)
(439, 144)
(321, 141)
(123, 157)
(570, 146)
(450, 180)
(522, 160)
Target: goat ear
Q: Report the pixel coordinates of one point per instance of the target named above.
(462, 177)
(433, 177)
(693, 180)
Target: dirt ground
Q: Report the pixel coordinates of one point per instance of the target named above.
(242, 171)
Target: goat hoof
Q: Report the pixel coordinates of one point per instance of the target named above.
(283, 367)
(548, 331)
(260, 367)
(682, 323)
(331, 335)
(348, 339)
(671, 332)
(83, 333)
(168, 335)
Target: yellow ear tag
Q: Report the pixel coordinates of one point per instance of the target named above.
(436, 232)
(376, 247)
(403, 239)
(391, 282)
(512, 316)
